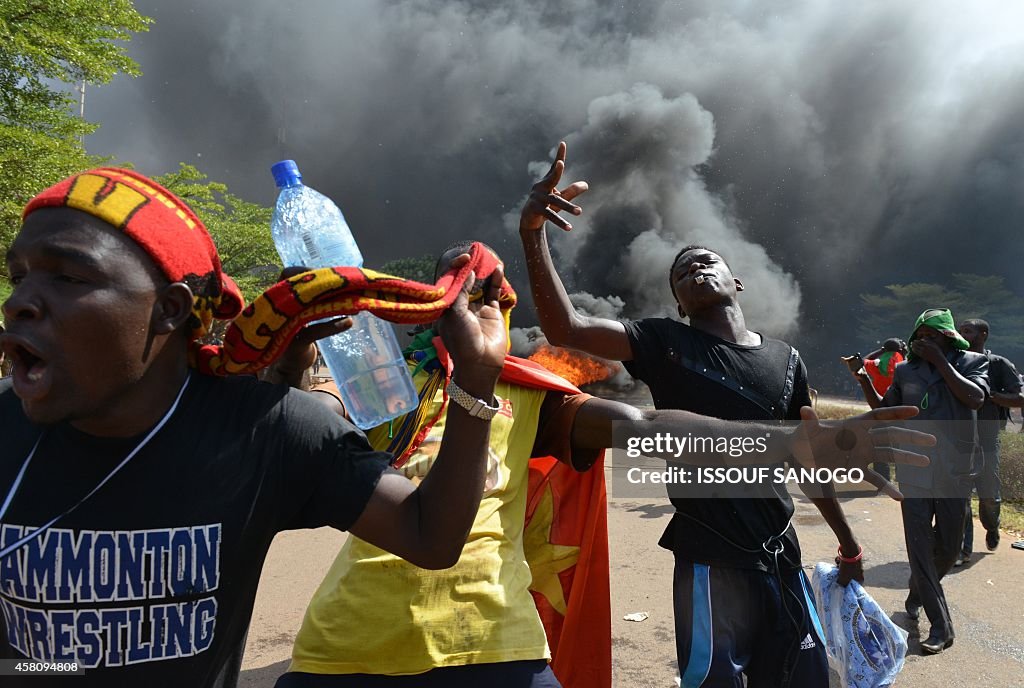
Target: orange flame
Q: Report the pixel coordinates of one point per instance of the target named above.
(577, 368)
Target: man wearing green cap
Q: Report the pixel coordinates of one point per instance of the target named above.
(948, 384)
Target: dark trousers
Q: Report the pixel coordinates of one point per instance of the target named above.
(736, 622)
(934, 532)
(988, 514)
(521, 674)
(989, 487)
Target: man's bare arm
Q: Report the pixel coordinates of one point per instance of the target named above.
(831, 510)
(851, 443)
(870, 393)
(1008, 400)
(428, 525)
(561, 323)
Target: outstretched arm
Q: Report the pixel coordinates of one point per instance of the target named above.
(594, 423)
(851, 443)
(561, 323)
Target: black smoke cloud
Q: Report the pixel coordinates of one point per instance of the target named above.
(826, 149)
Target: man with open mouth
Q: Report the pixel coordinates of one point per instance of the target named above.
(138, 497)
(741, 602)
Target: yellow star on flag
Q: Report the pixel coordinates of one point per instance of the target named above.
(547, 560)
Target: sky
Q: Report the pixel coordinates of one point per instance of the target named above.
(825, 149)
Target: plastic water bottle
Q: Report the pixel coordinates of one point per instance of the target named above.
(365, 360)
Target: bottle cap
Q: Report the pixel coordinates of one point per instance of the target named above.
(286, 173)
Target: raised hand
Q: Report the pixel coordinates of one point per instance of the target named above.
(301, 352)
(546, 200)
(928, 350)
(474, 332)
(859, 441)
(855, 363)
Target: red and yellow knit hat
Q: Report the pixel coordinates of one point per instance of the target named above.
(162, 225)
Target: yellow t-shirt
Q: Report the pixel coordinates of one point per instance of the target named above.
(375, 613)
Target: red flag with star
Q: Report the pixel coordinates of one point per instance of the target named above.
(566, 546)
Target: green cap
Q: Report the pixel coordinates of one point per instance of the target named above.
(942, 320)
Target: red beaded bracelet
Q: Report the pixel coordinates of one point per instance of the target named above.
(850, 560)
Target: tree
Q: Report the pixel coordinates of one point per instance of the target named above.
(45, 47)
(47, 43)
(969, 296)
(240, 229)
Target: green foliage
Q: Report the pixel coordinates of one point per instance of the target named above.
(45, 47)
(1011, 465)
(419, 269)
(240, 229)
(70, 41)
(30, 161)
(892, 314)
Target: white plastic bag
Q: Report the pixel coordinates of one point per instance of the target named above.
(864, 646)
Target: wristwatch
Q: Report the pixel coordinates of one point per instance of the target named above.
(477, 408)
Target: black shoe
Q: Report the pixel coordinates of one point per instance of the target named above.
(935, 644)
(992, 540)
(913, 609)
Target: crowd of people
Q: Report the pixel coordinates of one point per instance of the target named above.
(140, 495)
(966, 393)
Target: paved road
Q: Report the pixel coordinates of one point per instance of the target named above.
(986, 598)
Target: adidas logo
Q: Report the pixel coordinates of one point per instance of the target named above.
(807, 643)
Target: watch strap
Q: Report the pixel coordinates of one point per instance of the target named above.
(477, 408)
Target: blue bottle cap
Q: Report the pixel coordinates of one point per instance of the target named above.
(286, 173)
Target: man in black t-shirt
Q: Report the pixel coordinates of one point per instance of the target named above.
(1004, 394)
(138, 497)
(741, 600)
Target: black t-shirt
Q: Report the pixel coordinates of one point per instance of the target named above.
(1003, 378)
(688, 369)
(151, 581)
